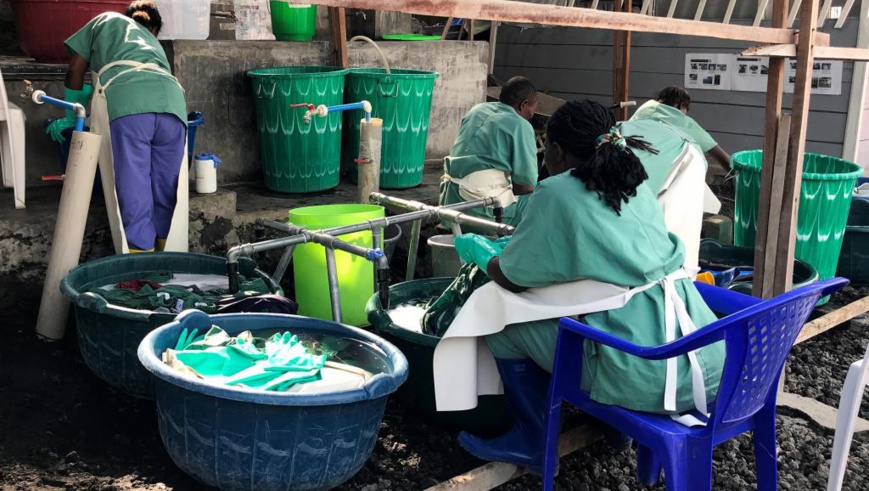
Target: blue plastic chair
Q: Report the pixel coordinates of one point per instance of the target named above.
(758, 336)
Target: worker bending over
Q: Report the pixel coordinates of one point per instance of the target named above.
(495, 154)
(671, 106)
(139, 110)
(594, 219)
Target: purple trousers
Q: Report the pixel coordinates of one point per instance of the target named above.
(148, 150)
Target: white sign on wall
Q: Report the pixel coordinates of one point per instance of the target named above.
(749, 73)
(708, 71)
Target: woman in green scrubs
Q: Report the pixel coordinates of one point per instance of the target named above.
(593, 219)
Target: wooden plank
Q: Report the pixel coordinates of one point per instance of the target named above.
(338, 21)
(794, 169)
(774, 206)
(821, 52)
(446, 28)
(621, 63)
(826, 322)
(854, 123)
(729, 13)
(844, 15)
(645, 8)
(520, 12)
(594, 4)
(761, 9)
(493, 41)
(793, 15)
(700, 7)
(775, 84)
(825, 12)
(819, 412)
(672, 11)
(495, 474)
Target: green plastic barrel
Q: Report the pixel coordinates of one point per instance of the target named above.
(825, 198)
(298, 157)
(293, 22)
(355, 274)
(402, 99)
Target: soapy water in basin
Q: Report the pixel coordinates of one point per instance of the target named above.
(205, 282)
(409, 315)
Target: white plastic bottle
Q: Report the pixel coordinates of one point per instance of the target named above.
(205, 168)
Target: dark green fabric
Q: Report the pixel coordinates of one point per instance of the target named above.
(167, 297)
(442, 310)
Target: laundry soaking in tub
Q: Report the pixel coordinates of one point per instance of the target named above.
(168, 293)
(280, 363)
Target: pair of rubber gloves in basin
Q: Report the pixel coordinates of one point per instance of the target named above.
(58, 126)
(476, 249)
(273, 364)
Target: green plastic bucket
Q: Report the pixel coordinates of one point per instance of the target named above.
(490, 417)
(293, 22)
(403, 100)
(298, 157)
(825, 198)
(355, 274)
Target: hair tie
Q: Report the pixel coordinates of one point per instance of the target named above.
(614, 138)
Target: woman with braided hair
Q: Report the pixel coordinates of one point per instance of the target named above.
(594, 219)
(139, 110)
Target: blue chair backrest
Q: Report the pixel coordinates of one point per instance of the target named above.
(758, 342)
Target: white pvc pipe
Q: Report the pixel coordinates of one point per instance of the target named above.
(69, 230)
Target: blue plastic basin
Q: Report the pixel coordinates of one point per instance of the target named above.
(108, 335)
(240, 439)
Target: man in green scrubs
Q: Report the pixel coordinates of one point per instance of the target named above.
(615, 236)
(671, 106)
(495, 154)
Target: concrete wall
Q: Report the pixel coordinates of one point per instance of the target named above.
(577, 63)
(213, 74)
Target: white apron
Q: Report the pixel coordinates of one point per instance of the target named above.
(482, 184)
(684, 198)
(464, 366)
(100, 124)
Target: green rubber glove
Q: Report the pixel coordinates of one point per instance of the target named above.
(208, 362)
(476, 249)
(185, 339)
(286, 353)
(56, 128)
(241, 355)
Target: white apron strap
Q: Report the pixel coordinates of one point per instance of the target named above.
(676, 310)
(135, 66)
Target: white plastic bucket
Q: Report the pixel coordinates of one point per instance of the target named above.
(205, 169)
(445, 260)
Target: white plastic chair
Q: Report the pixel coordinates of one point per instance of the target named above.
(12, 145)
(849, 406)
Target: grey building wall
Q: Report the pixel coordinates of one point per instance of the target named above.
(213, 74)
(577, 63)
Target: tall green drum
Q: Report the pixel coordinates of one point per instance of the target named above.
(825, 199)
(355, 274)
(402, 99)
(297, 157)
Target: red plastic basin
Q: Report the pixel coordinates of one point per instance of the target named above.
(43, 25)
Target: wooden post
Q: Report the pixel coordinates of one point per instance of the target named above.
(339, 35)
(794, 169)
(493, 40)
(764, 271)
(447, 28)
(621, 63)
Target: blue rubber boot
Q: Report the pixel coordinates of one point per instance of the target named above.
(526, 387)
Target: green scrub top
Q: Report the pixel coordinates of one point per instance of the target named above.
(668, 114)
(492, 136)
(667, 140)
(574, 235)
(113, 37)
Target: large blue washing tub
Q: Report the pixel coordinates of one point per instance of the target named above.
(240, 439)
